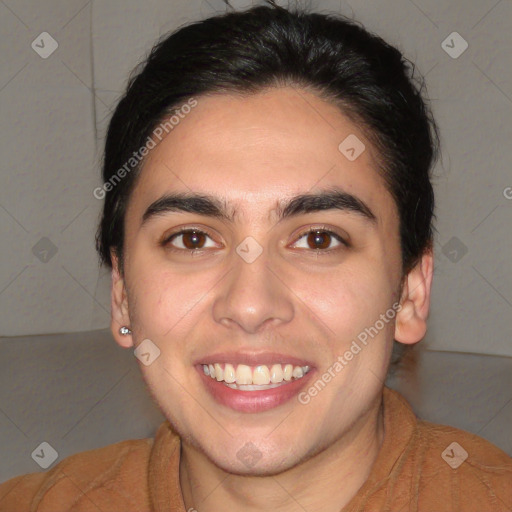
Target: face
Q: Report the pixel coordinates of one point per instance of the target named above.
(260, 285)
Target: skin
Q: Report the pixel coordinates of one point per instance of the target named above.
(253, 152)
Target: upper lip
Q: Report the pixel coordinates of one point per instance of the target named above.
(252, 359)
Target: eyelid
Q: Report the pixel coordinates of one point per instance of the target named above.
(184, 230)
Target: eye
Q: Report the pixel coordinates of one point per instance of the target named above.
(321, 239)
(188, 240)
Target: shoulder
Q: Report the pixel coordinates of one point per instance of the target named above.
(440, 467)
(463, 468)
(111, 476)
(463, 447)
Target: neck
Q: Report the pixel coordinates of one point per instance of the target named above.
(325, 482)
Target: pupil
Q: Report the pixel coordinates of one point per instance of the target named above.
(192, 239)
(320, 239)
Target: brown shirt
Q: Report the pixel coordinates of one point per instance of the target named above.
(417, 469)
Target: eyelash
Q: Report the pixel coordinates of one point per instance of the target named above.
(166, 242)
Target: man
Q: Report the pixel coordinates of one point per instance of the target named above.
(267, 219)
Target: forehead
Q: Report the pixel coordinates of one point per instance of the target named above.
(255, 150)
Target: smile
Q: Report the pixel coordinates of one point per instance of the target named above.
(249, 378)
(257, 388)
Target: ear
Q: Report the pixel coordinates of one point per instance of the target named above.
(119, 306)
(411, 320)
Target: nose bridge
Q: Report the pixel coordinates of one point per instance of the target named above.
(252, 295)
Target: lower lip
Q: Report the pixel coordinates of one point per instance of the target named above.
(253, 401)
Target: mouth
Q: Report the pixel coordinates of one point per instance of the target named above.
(254, 387)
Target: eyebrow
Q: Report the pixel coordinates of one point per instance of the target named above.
(211, 206)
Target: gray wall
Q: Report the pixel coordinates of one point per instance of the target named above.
(54, 115)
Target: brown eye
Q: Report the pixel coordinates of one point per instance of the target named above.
(320, 239)
(191, 240)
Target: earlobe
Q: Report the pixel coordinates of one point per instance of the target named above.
(119, 306)
(411, 320)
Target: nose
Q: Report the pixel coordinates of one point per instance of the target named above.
(253, 297)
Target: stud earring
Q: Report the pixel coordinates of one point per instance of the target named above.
(124, 331)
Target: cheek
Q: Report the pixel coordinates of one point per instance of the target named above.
(166, 299)
(180, 296)
(348, 299)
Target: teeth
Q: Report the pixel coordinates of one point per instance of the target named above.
(229, 374)
(252, 387)
(261, 377)
(276, 373)
(243, 374)
(298, 372)
(287, 372)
